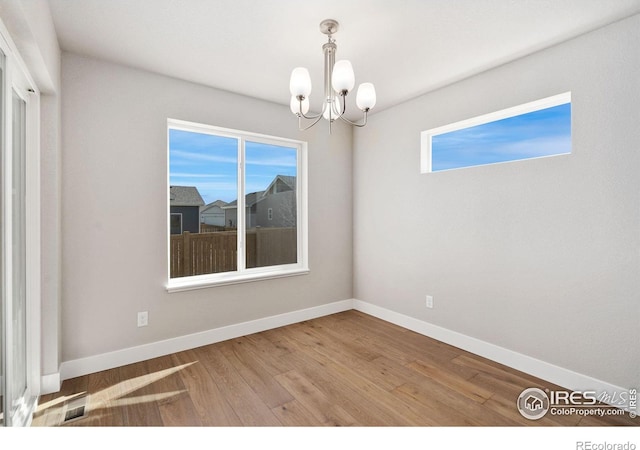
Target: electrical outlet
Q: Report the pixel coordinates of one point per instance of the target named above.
(429, 301)
(143, 319)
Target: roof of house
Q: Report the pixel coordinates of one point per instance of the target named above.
(254, 197)
(185, 196)
(289, 180)
(249, 200)
(218, 203)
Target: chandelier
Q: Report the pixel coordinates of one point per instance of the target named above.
(338, 79)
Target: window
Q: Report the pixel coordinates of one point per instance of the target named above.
(236, 206)
(533, 130)
(176, 223)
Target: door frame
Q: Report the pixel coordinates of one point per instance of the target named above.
(17, 79)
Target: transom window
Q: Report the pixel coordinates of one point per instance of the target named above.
(236, 206)
(533, 130)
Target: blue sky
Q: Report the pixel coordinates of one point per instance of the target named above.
(210, 163)
(540, 133)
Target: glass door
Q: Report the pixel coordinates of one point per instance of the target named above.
(17, 338)
(2, 246)
(19, 241)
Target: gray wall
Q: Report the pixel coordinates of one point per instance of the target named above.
(115, 173)
(539, 257)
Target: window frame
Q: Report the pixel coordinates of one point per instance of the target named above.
(242, 274)
(426, 137)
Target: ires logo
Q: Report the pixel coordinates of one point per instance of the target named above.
(575, 398)
(620, 398)
(534, 403)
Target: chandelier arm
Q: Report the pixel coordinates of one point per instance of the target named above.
(354, 123)
(315, 121)
(343, 95)
(300, 113)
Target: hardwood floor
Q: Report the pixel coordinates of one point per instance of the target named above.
(347, 369)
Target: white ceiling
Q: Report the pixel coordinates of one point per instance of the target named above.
(405, 47)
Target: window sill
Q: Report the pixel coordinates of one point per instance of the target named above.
(228, 278)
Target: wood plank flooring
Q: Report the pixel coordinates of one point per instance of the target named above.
(346, 369)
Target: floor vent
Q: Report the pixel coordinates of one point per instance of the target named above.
(75, 409)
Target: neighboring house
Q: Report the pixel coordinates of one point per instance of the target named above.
(185, 203)
(231, 210)
(272, 208)
(276, 206)
(213, 214)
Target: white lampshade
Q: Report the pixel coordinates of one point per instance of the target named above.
(366, 96)
(295, 105)
(336, 110)
(300, 83)
(342, 78)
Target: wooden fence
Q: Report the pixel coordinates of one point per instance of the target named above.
(203, 253)
(205, 228)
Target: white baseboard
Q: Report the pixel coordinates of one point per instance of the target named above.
(92, 364)
(50, 383)
(560, 376)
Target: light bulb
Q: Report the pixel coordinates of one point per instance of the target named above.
(366, 96)
(300, 82)
(342, 78)
(336, 110)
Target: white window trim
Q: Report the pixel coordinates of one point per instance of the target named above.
(426, 137)
(243, 275)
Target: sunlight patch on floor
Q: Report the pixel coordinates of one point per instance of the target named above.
(113, 396)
